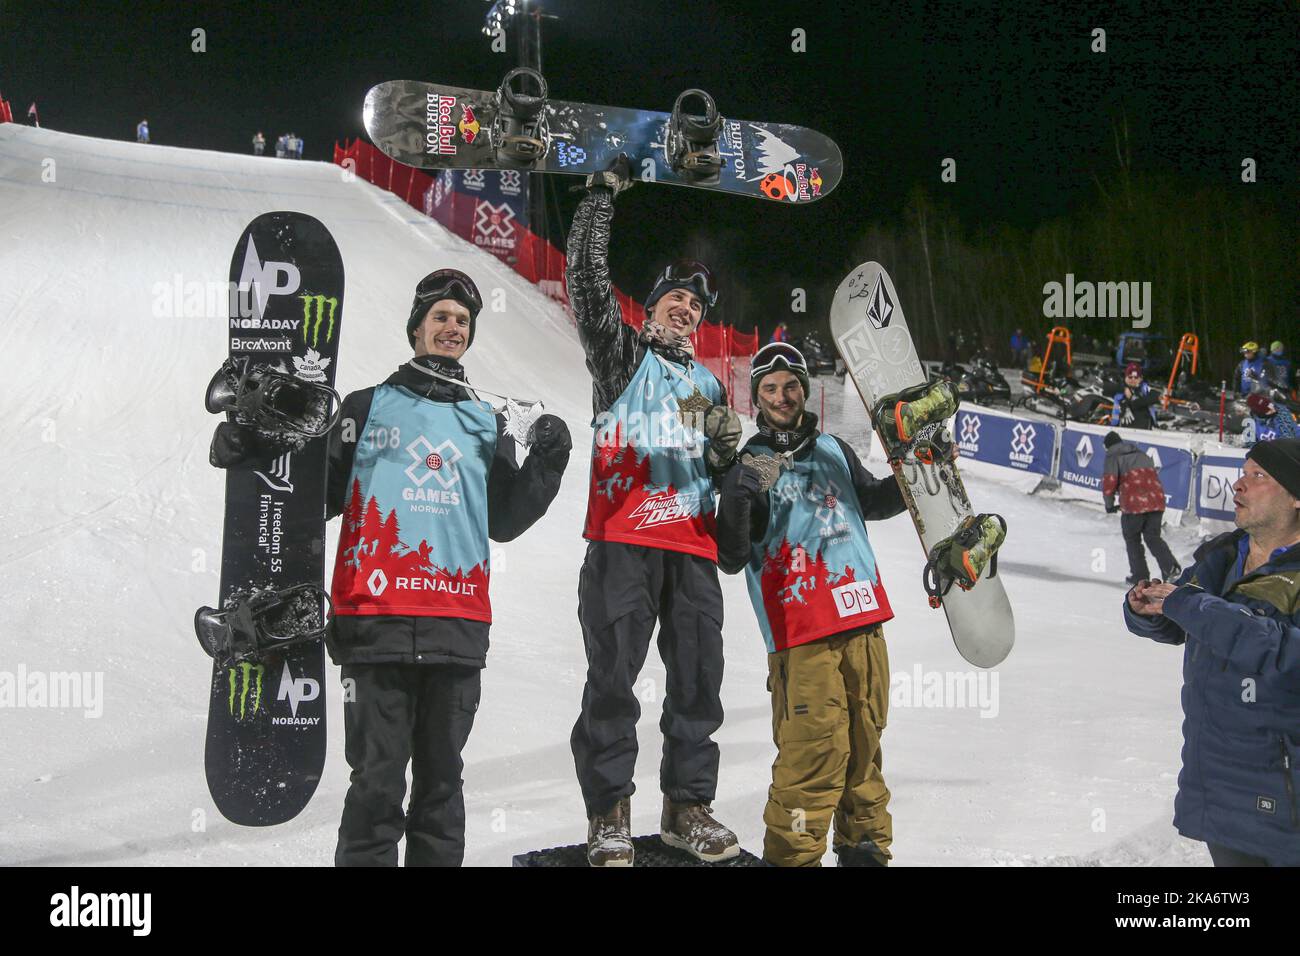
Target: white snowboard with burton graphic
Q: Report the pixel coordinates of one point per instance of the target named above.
(872, 337)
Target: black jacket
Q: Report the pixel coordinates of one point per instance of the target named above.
(517, 497)
(613, 349)
(742, 519)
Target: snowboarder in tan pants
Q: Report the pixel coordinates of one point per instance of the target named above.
(792, 513)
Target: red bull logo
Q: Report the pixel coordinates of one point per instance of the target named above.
(815, 181)
(468, 125)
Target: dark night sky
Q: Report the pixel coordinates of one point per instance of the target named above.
(1008, 89)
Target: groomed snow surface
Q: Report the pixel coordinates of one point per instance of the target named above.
(112, 538)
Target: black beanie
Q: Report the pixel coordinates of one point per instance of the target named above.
(1112, 438)
(444, 284)
(1281, 459)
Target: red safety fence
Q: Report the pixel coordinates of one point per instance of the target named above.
(6, 112)
(534, 258)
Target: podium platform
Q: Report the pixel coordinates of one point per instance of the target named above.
(650, 851)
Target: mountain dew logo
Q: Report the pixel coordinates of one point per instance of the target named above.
(245, 681)
(313, 313)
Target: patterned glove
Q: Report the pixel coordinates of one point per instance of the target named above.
(722, 429)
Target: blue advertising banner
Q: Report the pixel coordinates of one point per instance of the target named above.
(1215, 475)
(1083, 457)
(1003, 440)
(487, 207)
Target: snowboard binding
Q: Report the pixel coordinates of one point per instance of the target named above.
(258, 622)
(963, 556)
(277, 404)
(691, 143)
(520, 136)
(902, 419)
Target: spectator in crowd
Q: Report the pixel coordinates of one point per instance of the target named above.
(1250, 375)
(781, 333)
(1281, 363)
(1237, 612)
(281, 145)
(1269, 420)
(259, 144)
(142, 132)
(1020, 351)
(1135, 406)
(1131, 474)
(297, 145)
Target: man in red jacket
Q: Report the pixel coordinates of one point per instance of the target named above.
(1131, 474)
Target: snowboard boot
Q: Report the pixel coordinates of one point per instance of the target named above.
(901, 416)
(962, 557)
(863, 854)
(609, 836)
(691, 827)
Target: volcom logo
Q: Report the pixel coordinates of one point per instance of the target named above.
(296, 690)
(1083, 451)
(430, 462)
(267, 278)
(881, 308)
(377, 582)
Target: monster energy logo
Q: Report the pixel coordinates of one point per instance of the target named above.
(244, 677)
(313, 312)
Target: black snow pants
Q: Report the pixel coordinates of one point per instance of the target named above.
(622, 590)
(1145, 527)
(419, 714)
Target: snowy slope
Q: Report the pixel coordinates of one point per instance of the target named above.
(112, 538)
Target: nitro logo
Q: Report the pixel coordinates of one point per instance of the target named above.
(296, 690)
(265, 279)
(74, 908)
(664, 509)
(318, 309)
(439, 126)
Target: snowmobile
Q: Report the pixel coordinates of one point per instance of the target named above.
(980, 382)
(820, 359)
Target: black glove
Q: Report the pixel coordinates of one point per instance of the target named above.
(549, 437)
(234, 444)
(616, 177)
(1111, 509)
(744, 482)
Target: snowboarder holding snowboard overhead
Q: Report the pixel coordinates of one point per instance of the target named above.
(792, 514)
(662, 431)
(423, 473)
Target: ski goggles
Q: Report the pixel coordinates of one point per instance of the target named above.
(449, 284)
(687, 273)
(777, 355)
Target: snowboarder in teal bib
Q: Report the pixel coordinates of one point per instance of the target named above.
(662, 432)
(423, 473)
(792, 514)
